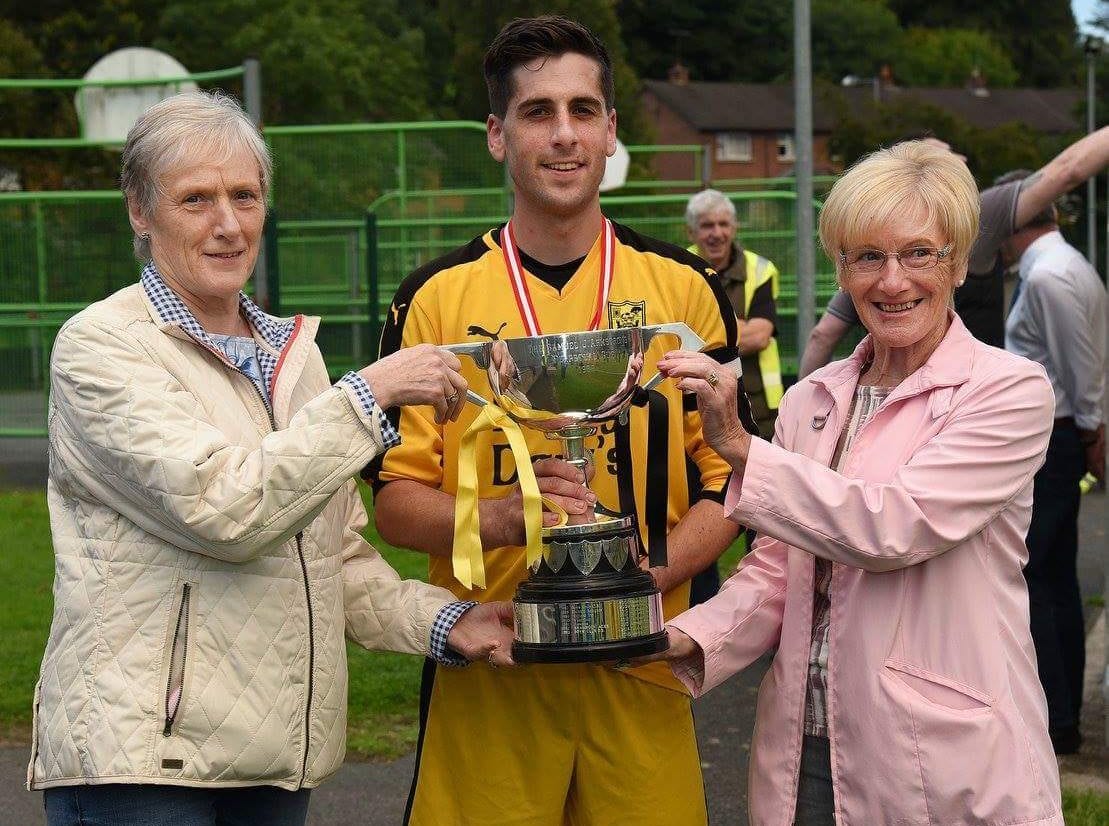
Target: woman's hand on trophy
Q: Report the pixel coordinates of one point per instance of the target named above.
(716, 388)
(484, 632)
(423, 374)
(681, 647)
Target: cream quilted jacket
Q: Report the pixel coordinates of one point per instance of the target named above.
(208, 560)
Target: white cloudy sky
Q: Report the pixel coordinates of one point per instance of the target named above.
(1083, 11)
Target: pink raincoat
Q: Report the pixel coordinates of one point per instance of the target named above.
(936, 714)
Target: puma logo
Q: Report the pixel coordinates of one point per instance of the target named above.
(478, 330)
(395, 310)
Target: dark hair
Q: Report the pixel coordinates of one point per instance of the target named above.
(528, 39)
(1046, 216)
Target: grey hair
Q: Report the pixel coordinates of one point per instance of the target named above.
(707, 200)
(172, 129)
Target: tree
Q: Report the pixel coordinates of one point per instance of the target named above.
(989, 152)
(1038, 37)
(716, 41)
(852, 37)
(329, 61)
(948, 57)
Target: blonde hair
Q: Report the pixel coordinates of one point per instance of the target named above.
(176, 127)
(889, 182)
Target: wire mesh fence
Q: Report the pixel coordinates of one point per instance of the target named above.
(356, 207)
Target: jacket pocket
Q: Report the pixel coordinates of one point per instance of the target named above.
(178, 659)
(937, 690)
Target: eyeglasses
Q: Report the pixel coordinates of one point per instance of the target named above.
(865, 259)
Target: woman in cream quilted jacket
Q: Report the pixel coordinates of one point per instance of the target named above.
(206, 524)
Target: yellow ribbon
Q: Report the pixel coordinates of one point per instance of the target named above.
(469, 569)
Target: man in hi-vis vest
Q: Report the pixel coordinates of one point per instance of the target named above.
(751, 283)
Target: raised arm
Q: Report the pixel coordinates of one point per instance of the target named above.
(131, 434)
(1082, 159)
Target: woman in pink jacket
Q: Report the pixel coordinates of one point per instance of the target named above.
(892, 509)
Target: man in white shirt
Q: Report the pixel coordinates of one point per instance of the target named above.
(1058, 319)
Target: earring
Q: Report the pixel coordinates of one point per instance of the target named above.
(144, 236)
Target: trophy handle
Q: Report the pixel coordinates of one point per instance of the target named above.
(476, 351)
(689, 341)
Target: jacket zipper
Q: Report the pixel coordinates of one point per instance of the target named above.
(308, 604)
(307, 594)
(176, 683)
(311, 661)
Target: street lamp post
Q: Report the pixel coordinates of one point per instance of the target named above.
(803, 170)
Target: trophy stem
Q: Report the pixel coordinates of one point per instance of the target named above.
(573, 446)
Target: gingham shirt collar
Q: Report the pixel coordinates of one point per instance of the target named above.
(172, 310)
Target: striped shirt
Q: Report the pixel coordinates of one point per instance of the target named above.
(867, 400)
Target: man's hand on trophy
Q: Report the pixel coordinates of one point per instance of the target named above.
(423, 374)
(484, 632)
(561, 483)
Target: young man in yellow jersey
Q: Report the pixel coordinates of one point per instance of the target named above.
(551, 744)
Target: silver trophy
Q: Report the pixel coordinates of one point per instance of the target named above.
(586, 599)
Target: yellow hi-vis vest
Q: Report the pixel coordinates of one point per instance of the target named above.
(760, 270)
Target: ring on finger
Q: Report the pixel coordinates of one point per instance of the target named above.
(712, 379)
(452, 398)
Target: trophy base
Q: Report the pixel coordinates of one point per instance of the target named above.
(523, 652)
(609, 617)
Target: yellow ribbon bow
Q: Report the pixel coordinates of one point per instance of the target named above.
(469, 569)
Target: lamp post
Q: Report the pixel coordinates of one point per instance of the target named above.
(802, 171)
(1093, 49)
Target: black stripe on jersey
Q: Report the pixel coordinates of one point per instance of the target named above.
(643, 243)
(392, 331)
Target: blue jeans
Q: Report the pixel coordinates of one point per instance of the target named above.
(131, 804)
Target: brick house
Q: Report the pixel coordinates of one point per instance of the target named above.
(748, 127)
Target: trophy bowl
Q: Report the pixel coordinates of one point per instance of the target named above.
(586, 598)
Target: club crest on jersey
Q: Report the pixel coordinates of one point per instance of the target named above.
(627, 314)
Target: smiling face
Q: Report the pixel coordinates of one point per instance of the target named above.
(714, 234)
(206, 224)
(555, 135)
(903, 308)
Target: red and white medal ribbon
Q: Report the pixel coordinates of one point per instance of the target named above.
(520, 287)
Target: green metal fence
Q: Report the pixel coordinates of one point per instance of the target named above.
(357, 208)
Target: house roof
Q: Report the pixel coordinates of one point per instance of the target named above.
(758, 107)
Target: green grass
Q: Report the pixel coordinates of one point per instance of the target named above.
(1085, 807)
(26, 603)
(384, 687)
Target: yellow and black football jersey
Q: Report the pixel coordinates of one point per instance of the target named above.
(467, 296)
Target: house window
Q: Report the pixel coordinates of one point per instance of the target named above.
(785, 148)
(733, 146)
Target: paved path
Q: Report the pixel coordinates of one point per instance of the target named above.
(373, 794)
